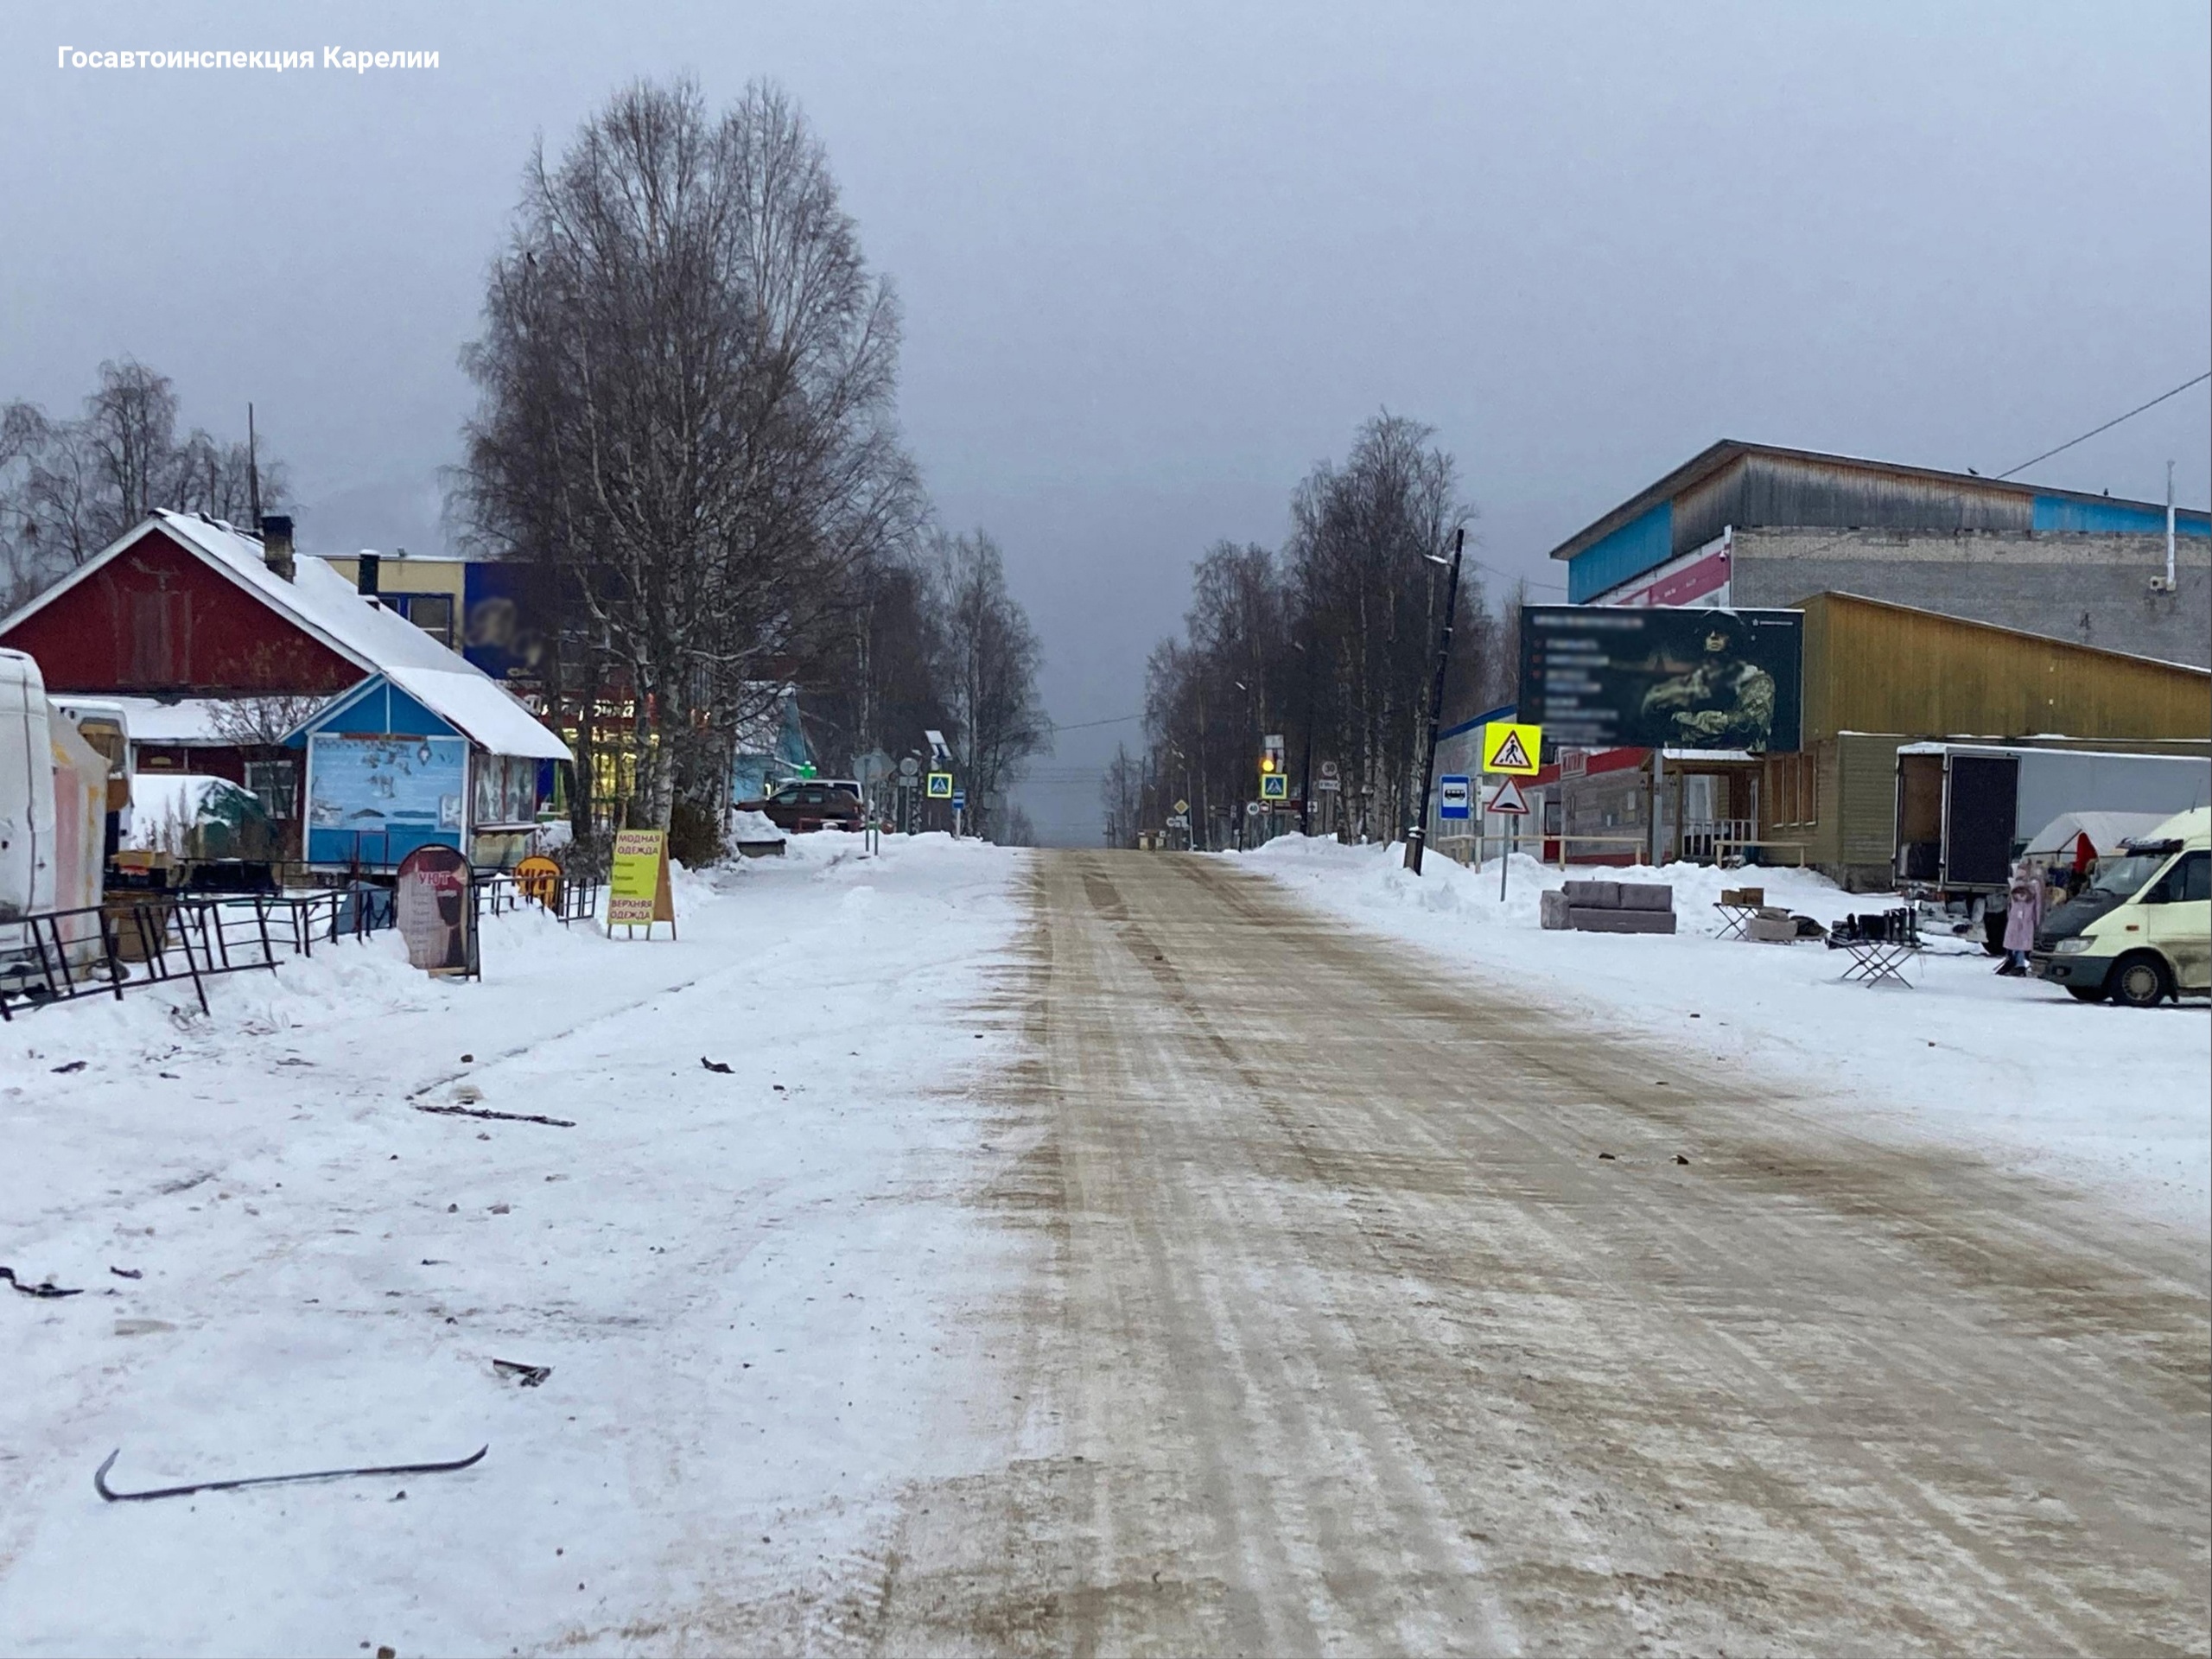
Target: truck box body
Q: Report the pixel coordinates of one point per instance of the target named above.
(1965, 809)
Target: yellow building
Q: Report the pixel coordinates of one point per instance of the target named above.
(1878, 675)
(429, 592)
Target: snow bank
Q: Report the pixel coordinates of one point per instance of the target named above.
(2116, 1099)
(752, 828)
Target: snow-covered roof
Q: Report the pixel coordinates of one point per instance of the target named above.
(326, 605)
(318, 599)
(481, 709)
(182, 722)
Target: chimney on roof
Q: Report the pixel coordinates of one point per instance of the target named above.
(365, 582)
(277, 543)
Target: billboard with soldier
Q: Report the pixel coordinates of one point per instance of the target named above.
(1602, 677)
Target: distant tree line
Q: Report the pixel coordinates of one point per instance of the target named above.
(68, 487)
(687, 380)
(1329, 641)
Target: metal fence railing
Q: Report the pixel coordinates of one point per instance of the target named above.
(571, 899)
(132, 941)
(58, 956)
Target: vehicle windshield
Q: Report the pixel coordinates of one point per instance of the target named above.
(2123, 877)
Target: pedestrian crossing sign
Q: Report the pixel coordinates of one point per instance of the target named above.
(1510, 746)
(1275, 787)
(940, 785)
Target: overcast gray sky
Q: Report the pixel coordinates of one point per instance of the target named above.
(1156, 259)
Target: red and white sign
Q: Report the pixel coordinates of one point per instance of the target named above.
(1507, 800)
(1702, 576)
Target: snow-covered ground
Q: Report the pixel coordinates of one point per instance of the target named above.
(2116, 1100)
(752, 1286)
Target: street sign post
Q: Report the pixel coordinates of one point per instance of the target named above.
(940, 785)
(1453, 794)
(1274, 786)
(1509, 802)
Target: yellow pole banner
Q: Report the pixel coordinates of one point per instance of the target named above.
(638, 892)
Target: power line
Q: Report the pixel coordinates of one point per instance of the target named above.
(2111, 424)
(1085, 725)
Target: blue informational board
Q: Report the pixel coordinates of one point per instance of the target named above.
(373, 800)
(1453, 794)
(959, 799)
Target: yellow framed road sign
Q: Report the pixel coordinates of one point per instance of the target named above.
(1275, 787)
(940, 784)
(1510, 746)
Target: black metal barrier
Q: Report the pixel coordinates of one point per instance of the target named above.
(575, 898)
(158, 938)
(60, 955)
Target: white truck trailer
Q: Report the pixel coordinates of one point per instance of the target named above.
(1965, 810)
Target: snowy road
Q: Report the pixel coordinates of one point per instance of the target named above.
(1378, 1311)
(1084, 1253)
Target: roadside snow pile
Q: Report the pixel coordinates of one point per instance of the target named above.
(1375, 878)
(2012, 1068)
(753, 829)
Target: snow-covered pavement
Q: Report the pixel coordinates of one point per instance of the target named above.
(2115, 1100)
(753, 1287)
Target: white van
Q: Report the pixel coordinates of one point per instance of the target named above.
(54, 794)
(2142, 931)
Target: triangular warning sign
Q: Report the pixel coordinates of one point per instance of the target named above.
(1508, 801)
(1511, 756)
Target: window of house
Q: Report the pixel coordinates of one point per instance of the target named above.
(272, 783)
(507, 789)
(1794, 787)
(432, 613)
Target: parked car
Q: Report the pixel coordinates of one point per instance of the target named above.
(805, 804)
(2141, 932)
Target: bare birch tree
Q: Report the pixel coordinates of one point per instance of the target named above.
(686, 380)
(991, 658)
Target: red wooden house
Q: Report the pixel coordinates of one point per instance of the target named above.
(216, 642)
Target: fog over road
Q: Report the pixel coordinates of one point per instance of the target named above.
(1346, 1334)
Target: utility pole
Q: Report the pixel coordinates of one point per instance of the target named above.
(2171, 572)
(1417, 837)
(253, 474)
(1306, 718)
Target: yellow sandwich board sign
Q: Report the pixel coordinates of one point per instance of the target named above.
(1510, 746)
(638, 892)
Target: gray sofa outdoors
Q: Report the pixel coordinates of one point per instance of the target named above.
(1610, 907)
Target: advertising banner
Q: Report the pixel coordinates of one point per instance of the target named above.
(431, 905)
(638, 892)
(374, 799)
(1598, 678)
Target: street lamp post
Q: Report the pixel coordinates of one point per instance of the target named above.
(1417, 837)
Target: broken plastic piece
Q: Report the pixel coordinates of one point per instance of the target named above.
(505, 1117)
(100, 1485)
(49, 1288)
(528, 1376)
